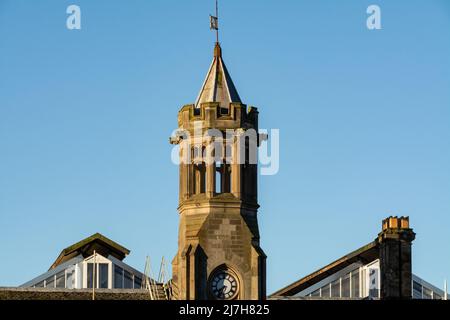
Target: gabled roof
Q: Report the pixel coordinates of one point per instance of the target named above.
(101, 244)
(365, 254)
(218, 86)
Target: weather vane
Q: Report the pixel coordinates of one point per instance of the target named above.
(214, 22)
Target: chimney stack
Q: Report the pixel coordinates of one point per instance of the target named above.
(395, 241)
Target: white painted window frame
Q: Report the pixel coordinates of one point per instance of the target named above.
(98, 259)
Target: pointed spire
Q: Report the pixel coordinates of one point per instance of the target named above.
(218, 86)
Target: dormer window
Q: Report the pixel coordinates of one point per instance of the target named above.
(95, 262)
(98, 272)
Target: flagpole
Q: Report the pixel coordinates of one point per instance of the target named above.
(217, 15)
(445, 290)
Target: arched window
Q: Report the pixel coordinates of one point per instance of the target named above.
(198, 170)
(199, 178)
(223, 170)
(218, 180)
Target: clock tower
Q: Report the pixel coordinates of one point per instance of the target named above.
(218, 256)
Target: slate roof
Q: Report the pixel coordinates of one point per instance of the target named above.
(218, 86)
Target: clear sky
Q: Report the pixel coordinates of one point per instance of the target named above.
(85, 116)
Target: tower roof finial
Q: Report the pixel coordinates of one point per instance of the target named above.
(217, 51)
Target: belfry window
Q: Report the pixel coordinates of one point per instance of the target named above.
(196, 153)
(218, 181)
(226, 178)
(223, 177)
(198, 170)
(247, 151)
(199, 178)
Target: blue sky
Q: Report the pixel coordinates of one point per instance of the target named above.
(85, 118)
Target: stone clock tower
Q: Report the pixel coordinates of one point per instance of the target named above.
(218, 256)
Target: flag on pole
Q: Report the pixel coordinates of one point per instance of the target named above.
(213, 23)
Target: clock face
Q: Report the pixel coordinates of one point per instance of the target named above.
(224, 286)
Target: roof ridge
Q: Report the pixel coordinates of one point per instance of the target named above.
(84, 243)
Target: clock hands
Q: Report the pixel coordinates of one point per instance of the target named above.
(224, 289)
